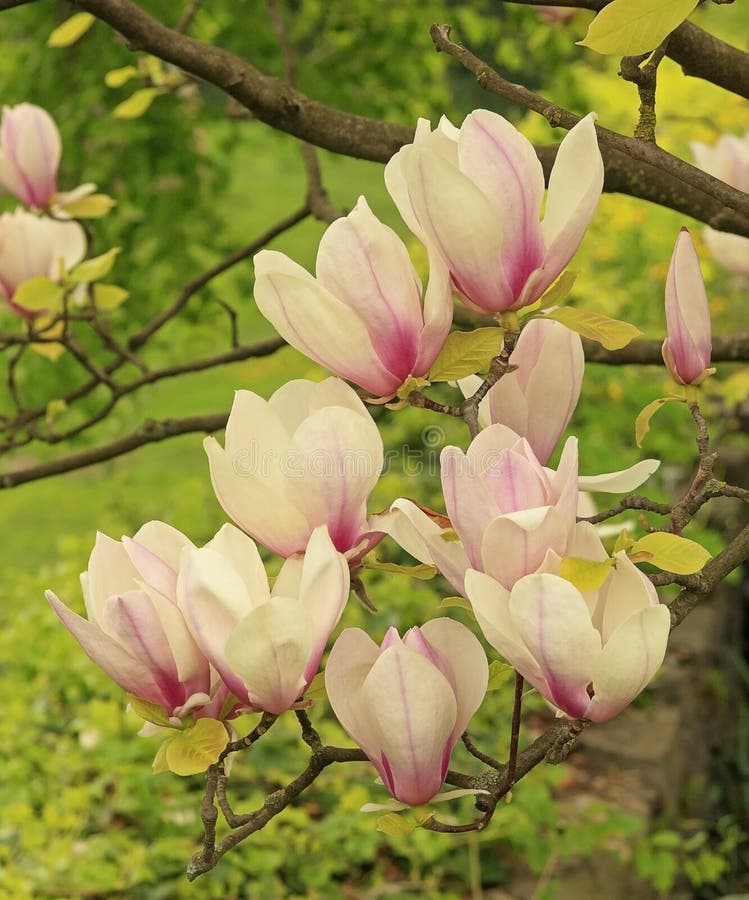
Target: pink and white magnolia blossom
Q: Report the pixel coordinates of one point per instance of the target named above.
(687, 348)
(505, 510)
(309, 456)
(134, 630)
(30, 151)
(32, 246)
(537, 399)
(473, 195)
(362, 317)
(266, 644)
(589, 654)
(407, 702)
(727, 160)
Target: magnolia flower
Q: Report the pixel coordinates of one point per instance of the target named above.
(555, 13)
(686, 350)
(588, 654)
(134, 630)
(473, 195)
(266, 645)
(537, 399)
(408, 701)
(505, 510)
(309, 456)
(30, 151)
(32, 246)
(362, 317)
(727, 160)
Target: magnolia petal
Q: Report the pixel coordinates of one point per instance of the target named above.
(470, 506)
(366, 266)
(413, 711)
(629, 659)
(471, 251)
(213, 599)
(397, 185)
(349, 663)
(625, 592)
(438, 314)
(620, 482)
(241, 554)
(553, 621)
(317, 323)
(503, 164)
(323, 591)
(469, 669)
(269, 649)
(575, 187)
(250, 500)
(109, 572)
(339, 459)
(129, 673)
(164, 541)
(731, 250)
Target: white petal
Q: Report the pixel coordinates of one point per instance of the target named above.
(620, 482)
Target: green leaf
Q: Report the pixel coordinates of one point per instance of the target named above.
(395, 825)
(151, 712)
(159, 763)
(632, 27)
(611, 333)
(136, 104)
(465, 353)
(672, 553)
(642, 422)
(457, 603)
(499, 674)
(559, 290)
(409, 385)
(109, 296)
(194, 749)
(117, 77)
(39, 293)
(585, 574)
(316, 689)
(422, 571)
(623, 541)
(95, 268)
(92, 207)
(71, 30)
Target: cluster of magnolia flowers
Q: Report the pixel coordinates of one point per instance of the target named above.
(200, 633)
(37, 239)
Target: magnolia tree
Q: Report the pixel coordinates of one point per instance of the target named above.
(198, 635)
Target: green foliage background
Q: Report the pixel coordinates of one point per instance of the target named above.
(82, 815)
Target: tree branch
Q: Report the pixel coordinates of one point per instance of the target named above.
(737, 202)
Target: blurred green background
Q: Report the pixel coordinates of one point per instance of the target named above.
(82, 815)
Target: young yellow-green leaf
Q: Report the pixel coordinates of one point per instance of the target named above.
(95, 268)
(316, 689)
(54, 409)
(159, 763)
(611, 333)
(672, 553)
(499, 674)
(623, 541)
(136, 104)
(457, 603)
(642, 422)
(194, 749)
(585, 574)
(450, 536)
(155, 70)
(559, 290)
(465, 353)
(632, 27)
(395, 825)
(92, 207)
(109, 296)
(409, 385)
(149, 711)
(117, 77)
(49, 350)
(39, 293)
(422, 571)
(71, 30)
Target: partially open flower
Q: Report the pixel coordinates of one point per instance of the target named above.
(30, 150)
(407, 702)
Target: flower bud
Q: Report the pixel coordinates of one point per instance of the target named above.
(30, 151)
